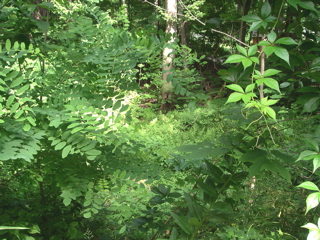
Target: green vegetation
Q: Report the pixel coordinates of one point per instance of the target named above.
(130, 120)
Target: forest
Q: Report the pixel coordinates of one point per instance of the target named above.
(159, 119)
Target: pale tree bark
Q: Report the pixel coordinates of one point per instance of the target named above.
(183, 38)
(168, 56)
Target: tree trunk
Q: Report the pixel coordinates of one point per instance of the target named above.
(168, 56)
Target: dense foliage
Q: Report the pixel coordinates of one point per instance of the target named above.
(85, 152)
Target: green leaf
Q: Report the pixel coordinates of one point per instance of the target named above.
(271, 83)
(183, 223)
(23, 89)
(235, 87)
(10, 100)
(60, 145)
(272, 36)
(194, 207)
(242, 50)
(235, 58)
(294, 3)
(286, 41)
(66, 151)
(14, 108)
(268, 50)
(311, 227)
(234, 97)
(93, 152)
(312, 201)
(309, 185)
(265, 10)
(316, 162)
(26, 127)
(123, 229)
(8, 45)
(31, 121)
(246, 63)
(252, 50)
(282, 53)
(311, 105)
(312, 143)
(117, 105)
(77, 129)
(253, 155)
(16, 82)
(270, 72)
(250, 88)
(251, 18)
(308, 5)
(87, 215)
(271, 112)
(307, 155)
(72, 125)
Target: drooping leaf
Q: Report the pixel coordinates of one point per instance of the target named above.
(282, 53)
(271, 83)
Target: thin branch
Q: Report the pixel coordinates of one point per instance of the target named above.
(199, 21)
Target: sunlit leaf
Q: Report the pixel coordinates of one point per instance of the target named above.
(242, 50)
(235, 87)
(66, 151)
(312, 201)
(235, 58)
(234, 97)
(309, 185)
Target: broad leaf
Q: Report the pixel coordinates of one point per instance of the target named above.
(272, 36)
(309, 185)
(311, 105)
(265, 10)
(235, 87)
(312, 201)
(308, 5)
(234, 97)
(286, 41)
(271, 112)
(242, 50)
(252, 50)
(251, 18)
(282, 53)
(270, 72)
(235, 58)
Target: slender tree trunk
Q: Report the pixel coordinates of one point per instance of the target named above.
(243, 7)
(168, 56)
